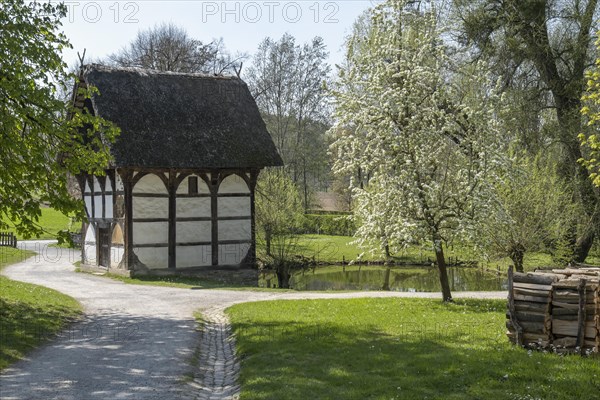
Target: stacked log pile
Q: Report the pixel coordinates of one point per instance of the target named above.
(557, 310)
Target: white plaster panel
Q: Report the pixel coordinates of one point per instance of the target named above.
(150, 232)
(97, 186)
(90, 234)
(90, 254)
(108, 212)
(97, 206)
(87, 188)
(88, 205)
(150, 207)
(193, 207)
(193, 256)
(153, 257)
(233, 206)
(233, 184)
(116, 255)
(184, 187)
(119, 183)
(150, 184)
(232, 254)
(194, 231)
(89, 246)
(234, 230)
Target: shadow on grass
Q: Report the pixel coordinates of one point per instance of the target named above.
(295, 360)
(23, 326)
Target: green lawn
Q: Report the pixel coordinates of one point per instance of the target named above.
(29, 314)
(185, 282)
(52, 222)
(334, 249)
(396, 349)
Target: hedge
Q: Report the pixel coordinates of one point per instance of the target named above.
(329, 224)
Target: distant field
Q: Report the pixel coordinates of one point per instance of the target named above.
(334, 249)
(52, 222)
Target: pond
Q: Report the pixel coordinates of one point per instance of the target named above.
(402, 279)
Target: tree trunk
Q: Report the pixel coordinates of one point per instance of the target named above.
(306, 205)
(386, 281)
(583, 246)
(570, 122)
(283, 278)
(387, 252)
(517, 253)
(441, 263)
(268, 241)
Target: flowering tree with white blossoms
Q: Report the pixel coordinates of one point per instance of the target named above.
(425, 136)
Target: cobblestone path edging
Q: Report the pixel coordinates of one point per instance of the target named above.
(218, 366)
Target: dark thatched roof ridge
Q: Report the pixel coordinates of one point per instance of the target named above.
(180, 120)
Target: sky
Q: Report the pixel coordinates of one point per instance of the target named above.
(103, 27)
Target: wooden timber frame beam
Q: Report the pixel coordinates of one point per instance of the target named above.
(172, 183)
(127, 178)
(214, 213)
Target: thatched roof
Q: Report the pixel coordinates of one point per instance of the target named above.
(176, 120)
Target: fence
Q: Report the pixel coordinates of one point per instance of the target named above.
(8, 239)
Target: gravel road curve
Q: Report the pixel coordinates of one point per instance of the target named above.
(135, 342)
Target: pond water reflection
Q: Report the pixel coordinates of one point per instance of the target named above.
(402, 279)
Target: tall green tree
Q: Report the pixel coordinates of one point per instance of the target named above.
(279, 219)
(531, 211)
(287, 80)
(591, 111)
(42, 138)
(425, 138)
(168, 47)
(549, 42)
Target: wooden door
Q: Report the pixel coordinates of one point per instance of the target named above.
(104, 247)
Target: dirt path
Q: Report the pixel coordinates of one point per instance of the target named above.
(137, 342)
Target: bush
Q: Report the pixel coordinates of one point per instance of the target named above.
(329, 224)
(285, 267)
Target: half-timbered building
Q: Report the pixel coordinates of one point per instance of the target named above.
(179, 192)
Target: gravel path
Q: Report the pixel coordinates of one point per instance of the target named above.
(138, 342)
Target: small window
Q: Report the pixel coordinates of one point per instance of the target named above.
(193, 184)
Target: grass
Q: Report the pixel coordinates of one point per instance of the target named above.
(396, 349)
(185, 282)
(29, 314)
(51, 221)
(333, 249)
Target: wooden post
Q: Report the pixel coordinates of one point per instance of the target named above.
(127, 178)
(253, 179)
(214, 191)
(172, 189)
(511, 309)
(581, 315)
